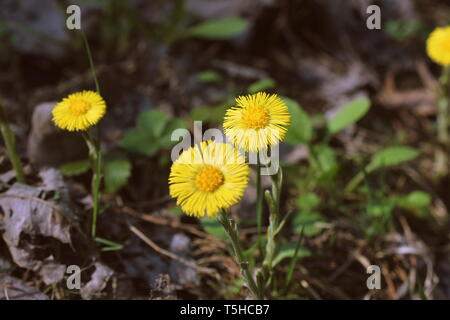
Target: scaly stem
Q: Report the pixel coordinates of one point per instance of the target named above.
(91, 61)
(442, 120)
(95, 155)
(94, 149)
(273, 201)
(10, 143)
(259, 203)
(230, 227)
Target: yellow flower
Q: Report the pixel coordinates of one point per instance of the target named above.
(79, 111)
(207, 178)
(438, 46)
(257, 122)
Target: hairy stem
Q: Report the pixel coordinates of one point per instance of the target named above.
(232, 231)
(10, 143)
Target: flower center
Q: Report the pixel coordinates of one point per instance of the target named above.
(79, 107)
(256, 117)
(209, 179)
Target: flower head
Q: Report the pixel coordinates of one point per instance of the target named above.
(79, 111)
(207, 178)
(257, 122)
(438, 46)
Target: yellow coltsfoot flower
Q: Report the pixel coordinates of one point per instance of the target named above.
(258, 122)
(438, 46)
(79, 111)
(208, 178)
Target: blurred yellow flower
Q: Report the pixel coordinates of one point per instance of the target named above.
(207, 178)
(257, 122)
(79, 111)
(438, 46)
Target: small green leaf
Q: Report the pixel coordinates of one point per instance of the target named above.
(208, 76)
(117, 172)
(224, 28)
(287, 250)
(325, 160)
(380, 208)
(166, 137)
(213, 114)
(212, 226)
(152, 121)
(392, 156)
(110, 245)
(75, 168)
(308, 201)
(152, 133)
(415, 199)
(140, 141)
(348, 115)
(261, 85)
(300, 130)
(308, 221)
(385, 158)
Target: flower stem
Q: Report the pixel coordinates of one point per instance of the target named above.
(273, 201)
(94, 149)
(10, 143)
(230, 227)
(91, 61)
(259, 203)
(442, 119)
(95, 155)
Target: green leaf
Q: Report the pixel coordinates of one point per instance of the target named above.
(152, 133)
(224, 28)
(152, 121)
(391, 156)
(140, 141)
(75, 168)
(385, 158)
(212, 226)
(208, 76)
(166, 137)
(380, 208)
(261, 85)
(416, 199)
(117, 172)
(325, 160)
(300, 130)
(308, 201)
(110, 245)
(287, 250)
(212, 114)
(308, 221)
(348, 115)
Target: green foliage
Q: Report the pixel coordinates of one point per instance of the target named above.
(308, 216)
(288, 250)
(117, 171)
(415, 199)
(300, 130)
(209, 76)
(109, 245)
(218, 29)
(152, 133)
(75, 168)
(212, 226)
(385, 158)
(391, 156)
(402, 30)
(348, 115)
(213, 114)
(261, 85)
(324, 159)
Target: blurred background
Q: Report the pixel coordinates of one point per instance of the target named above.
(163, 64)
